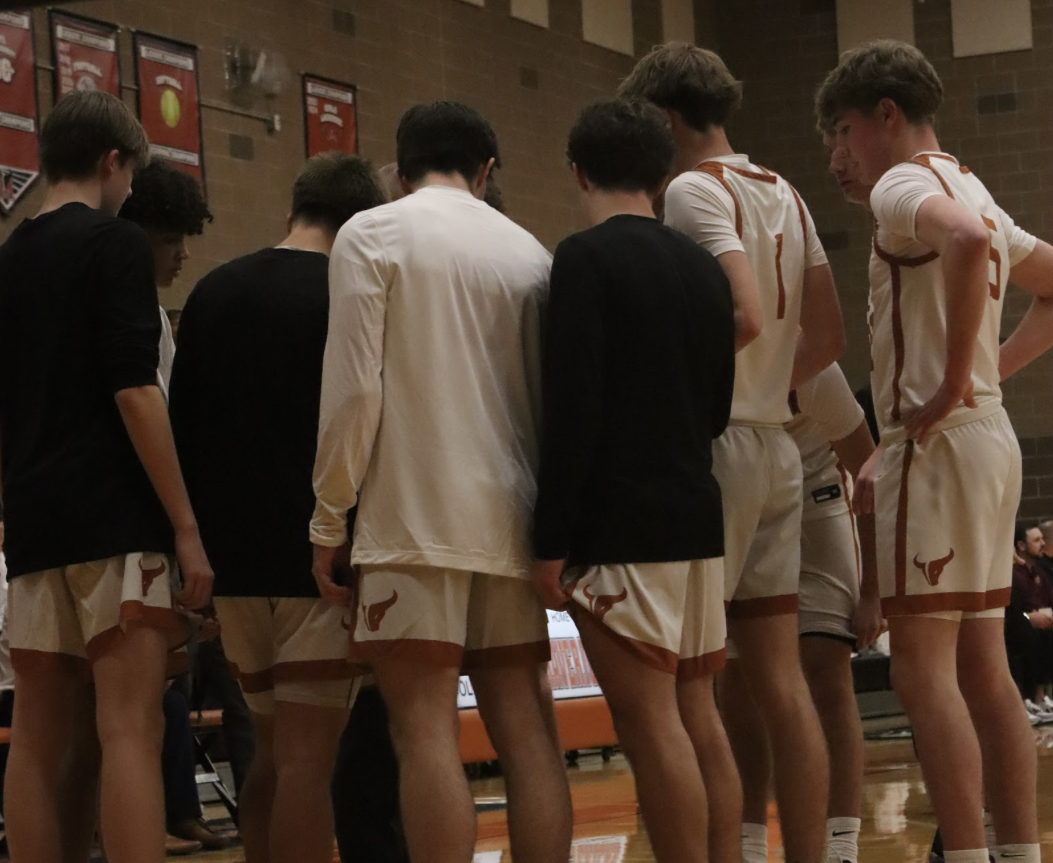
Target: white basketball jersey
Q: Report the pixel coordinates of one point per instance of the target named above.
(824, 410)
(908, 302)
(729, 204)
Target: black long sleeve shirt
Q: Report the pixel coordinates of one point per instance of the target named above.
(637, 380)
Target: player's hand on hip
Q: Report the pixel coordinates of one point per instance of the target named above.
(195, 569)
(869, 624)
(546, 575)
(935, 410)
(863, 489)
(329, 566)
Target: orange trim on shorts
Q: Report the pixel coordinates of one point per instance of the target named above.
(133, 611)
(901, 522)
(701, 666)
(650, 654)
(763, 606)
(428, 651)
(926, 603)
(534, 652)
(27, 661)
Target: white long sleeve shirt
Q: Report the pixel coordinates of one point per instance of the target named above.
(431, 386)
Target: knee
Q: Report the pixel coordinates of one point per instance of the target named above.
(141, 723)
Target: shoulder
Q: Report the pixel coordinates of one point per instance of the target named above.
(903, 178)
(118, 231)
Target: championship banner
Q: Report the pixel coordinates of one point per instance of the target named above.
(169, 102)
(330, 116)
(19, 159)
(569, 671)
(85, 54)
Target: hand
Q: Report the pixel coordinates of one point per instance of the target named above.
(546, 576)
(1041, 619)
(206, 624)
(869, 623)
(936, 409)
(863, 494)
(331, 566)
(195, 568)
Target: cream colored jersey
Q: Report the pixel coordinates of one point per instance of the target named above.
(728, 204)
(825, 410)
(908, 300)
(430, 402)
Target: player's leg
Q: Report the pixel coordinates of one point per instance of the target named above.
(313, 691)
(53, 765)
(643, 703)
(827, 666)
(506, 655)
(925, 678)
(762, 623)
(248, 633)
(54, 701)
(256, 803)
(769, 653)
(129, 683)
(410, 629)
(829, 596)
(513, 705)
(749, 743)
(703, 652)
(305, 743)
(1006, 743)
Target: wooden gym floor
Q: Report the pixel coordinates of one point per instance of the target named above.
(897, 818)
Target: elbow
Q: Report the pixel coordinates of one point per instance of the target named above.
(971, 242)
(748, 326)
(838, 344)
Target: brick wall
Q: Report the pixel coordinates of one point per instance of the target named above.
(529, 81)
(997, 118)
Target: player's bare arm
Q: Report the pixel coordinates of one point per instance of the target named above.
(822, 337)
(1034, 334)
(749, 319)
(145, 416)
(963, 243)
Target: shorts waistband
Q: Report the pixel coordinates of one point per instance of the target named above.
(898, 434)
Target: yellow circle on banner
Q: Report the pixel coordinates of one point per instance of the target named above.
(170, 108)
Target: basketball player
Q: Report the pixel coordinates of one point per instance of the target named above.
(945, 485)
(430, 409)
(92, 495)
(638, 376)
(839, 607)
(261, 320)
(762, 235)
(166, 203)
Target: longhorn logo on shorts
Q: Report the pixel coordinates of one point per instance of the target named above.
(150, 574)
(600, 604)
(933, 569)
(375, 612)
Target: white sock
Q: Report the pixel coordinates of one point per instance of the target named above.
(989, 832)
(1017, 853)
(974, 855)
(754, 843)
(842, 840)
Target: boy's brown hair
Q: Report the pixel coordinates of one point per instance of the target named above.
(687, 79)
(82, 128)
(886, 69)
(333, 187)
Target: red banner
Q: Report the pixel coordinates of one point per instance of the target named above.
(169, 101)
(85, 54)
(19, 160)
(330, 117)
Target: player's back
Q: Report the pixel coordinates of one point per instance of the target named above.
(729, 204)
(455, 458)
(908, 302)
